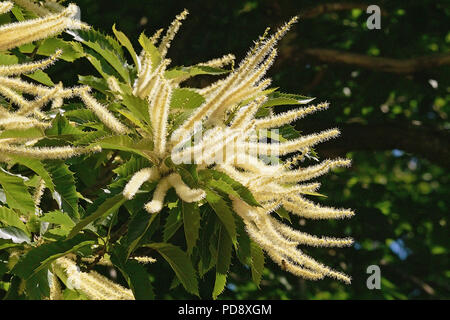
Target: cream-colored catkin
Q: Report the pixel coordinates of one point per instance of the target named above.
(47, 152)
(159, 194)
(183, 191)
(5, 6)
(91, 284)
(143, 175)
(171, 32)
(101, 112)
(55, 288)
(18, 33)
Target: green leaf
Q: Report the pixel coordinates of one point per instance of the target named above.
(29, 133)
(98, 84)
(17, 195)
(42, 77)
(123, 39)
(58, 217)
(191, 220)
(14, 234)
(221, 181)
(125, 143)
(173, 222)
(224, 212)
(184, 98)
(62, 127)
(8, 59)
(135, 274)
(131, 166)
(38, 167)
(138, 227)
(148, 46)
(10, 218)
(224, 249)
(103, 46)
(70, 50)
(40, 257)
(109, 206)
(137, 106)
(279, 99)
(64, 182)
(257, 263)
(182, 73)
(180, 263)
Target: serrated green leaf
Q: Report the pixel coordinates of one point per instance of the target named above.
(107, 48)
(131, 166)
(40, 257)
(64, 182)
(98, 84)
(148, 46)
(10, 218)
(17, 195)
(224, 212)
(123, 39)
(70, 50)
(14, 234)
(182, 73)
(224, 250)
(180, 263)
(38, 167)
(257, 265)
(59, 218)
(109, 206)
(42, 77)
(226, 184)
(125, 143)
(173, 222)
(191, 221)
(137, 106)
(184, 98)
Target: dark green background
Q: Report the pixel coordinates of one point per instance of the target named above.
(394, 127)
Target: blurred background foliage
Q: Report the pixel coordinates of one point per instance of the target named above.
(389, 91)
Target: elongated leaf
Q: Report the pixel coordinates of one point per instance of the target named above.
(42, 77)
(65, 186)
(29, 133)
(131, 166)
(224, 249)
(180, 263)
(110, 55)
(123, 39)
(14, 234)
(10, 218)
(135, 274)
(137, 106)
(148, 46)
(109, 206)
(98, 84)
(38, 168)
(174, 222)
(191, 220)
(17, 195)
(138, 227)
(125, 143)
(58, 217)
(40, 257)
(182, 73)
(224, 212)
(224, 183)
(184, 98)
(257, 263)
